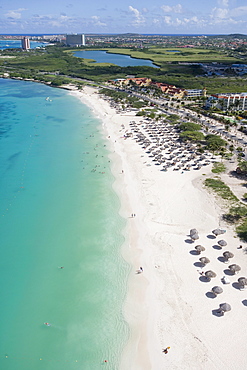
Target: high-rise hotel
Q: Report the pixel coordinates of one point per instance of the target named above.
(25, 43)
(75, 40)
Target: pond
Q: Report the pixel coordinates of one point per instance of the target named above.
(121, 60)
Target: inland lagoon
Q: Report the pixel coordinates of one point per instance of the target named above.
(61, 235)
(101, 56)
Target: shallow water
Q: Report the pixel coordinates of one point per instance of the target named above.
(58, 209)
(16, 44)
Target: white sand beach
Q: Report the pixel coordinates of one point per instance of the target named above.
(169, 303)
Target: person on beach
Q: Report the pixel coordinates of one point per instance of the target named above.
(165, 350)
(139, 271)
(240, 247)
(201, 272)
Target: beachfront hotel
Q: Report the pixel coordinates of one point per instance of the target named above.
(229, 101)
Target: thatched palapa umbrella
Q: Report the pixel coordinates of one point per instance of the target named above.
(222, 243)
(204, 260)
(225, 307)
(242, 282)
(217, 290)
(194, 236)
(210, 274)
(199, 248)
(234, 268)
(227, 255)
(217, 232)
(193, 231)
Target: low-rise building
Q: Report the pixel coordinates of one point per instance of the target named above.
(229, 101)
(176, 93)
(194, 93)
(163, 87)
(139, 81)
(167, 89)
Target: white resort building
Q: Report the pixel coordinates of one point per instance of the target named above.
(194, 93)
(228, 101)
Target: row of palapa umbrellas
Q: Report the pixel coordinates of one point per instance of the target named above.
(162, 140)
(224, 307)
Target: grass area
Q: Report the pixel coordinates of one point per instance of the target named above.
(242, 230)
(218, 167)
(221, 189)
(162, 55)
(237, 213)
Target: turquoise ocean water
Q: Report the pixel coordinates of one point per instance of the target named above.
(57, 209)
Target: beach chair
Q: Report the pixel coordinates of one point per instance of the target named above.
(225, 280)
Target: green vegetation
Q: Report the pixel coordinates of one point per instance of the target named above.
(141, 113)
(189, 126)
(242, 165)
(173, 118)
(242, 230)
(221, 189)
(124, 98)
(218, 167)
(162, 55)
(151, 113)
(215, 143)
(237, 213)
(190, 132)
(194, 136)
(39, 64)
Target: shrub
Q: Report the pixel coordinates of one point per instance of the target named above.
(189, 126)
(215, 142)
(221, 189)
(192, 136)
(242, 230)
(218, 167)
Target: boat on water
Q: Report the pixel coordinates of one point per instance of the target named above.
(47, 324)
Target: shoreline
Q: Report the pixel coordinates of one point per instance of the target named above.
(168, 304)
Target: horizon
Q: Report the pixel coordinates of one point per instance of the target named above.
(124, 33)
